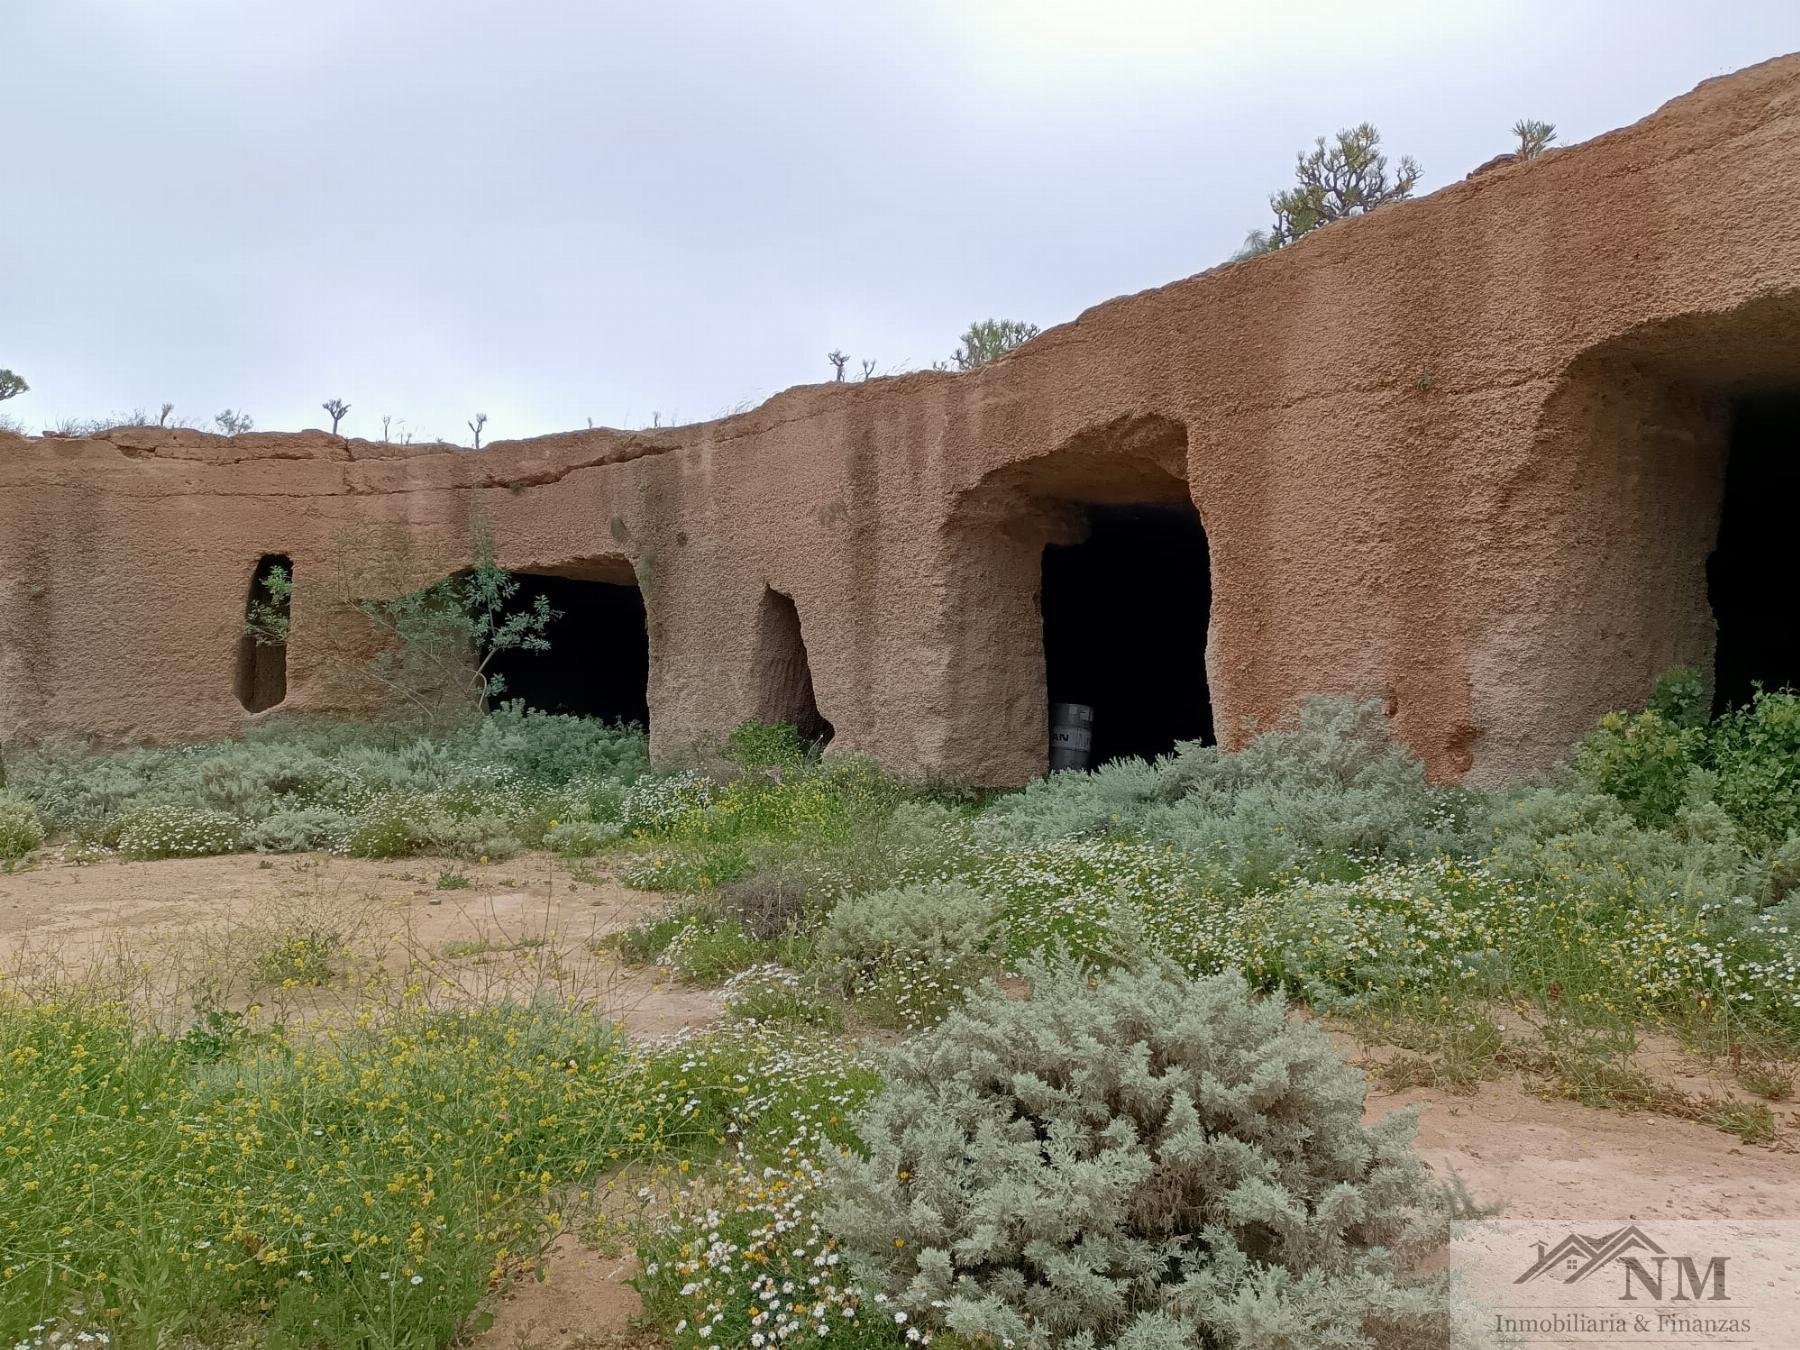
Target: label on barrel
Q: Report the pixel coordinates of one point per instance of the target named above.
(1071, 738)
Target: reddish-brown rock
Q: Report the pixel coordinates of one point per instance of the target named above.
(1465, 454)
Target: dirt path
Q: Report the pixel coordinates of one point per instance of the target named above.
(157, 932)
(1541, 1159)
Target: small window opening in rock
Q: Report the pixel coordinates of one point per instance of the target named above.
(1750, 576)
(598, 663)
(1125, 615)
(784, 684)
(261, 680)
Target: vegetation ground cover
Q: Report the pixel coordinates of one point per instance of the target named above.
(374, 1181)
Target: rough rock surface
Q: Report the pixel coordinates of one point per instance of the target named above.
(1465, 454)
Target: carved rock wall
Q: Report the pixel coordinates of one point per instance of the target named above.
(1465, 455)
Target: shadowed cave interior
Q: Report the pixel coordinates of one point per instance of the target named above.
(598, 664)
(1125, 616)
(1751, 574)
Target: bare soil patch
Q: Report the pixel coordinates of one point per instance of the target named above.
(1558, 1159)
(156, 932)
(577, 1299)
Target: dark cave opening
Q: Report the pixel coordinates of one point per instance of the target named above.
(261, 678)
(1750, 575)
(784, 684)
(1125, 618)
(598, 664)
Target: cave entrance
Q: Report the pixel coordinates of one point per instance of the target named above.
(1125, 614)
(784, 684)
(598, 664)
(1749, 577)
(261, 679)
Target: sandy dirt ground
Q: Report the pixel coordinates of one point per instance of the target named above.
(529, 926)
(158, 931)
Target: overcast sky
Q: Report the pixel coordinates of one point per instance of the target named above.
(556, 210)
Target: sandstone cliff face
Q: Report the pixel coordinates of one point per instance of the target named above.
(1465, 455)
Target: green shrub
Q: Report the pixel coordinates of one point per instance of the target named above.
(913, 841)
(1555, 840)
(655, 805)
(178, 832)
(1756, 755)
(708, 949)
(1645, 761)
(483, 837)
(300, 830)
(687, 867)
(1669, 756)
(907, 954)
(772, 993)
(701, 943)
(645, 942)
(551, 748)
(590, 797)
(528, 767)
(1143, 1160)
(581, 838)
(1073, 803)
(1680, 699)
(20, 831)
(1781, 877)
(387, 830)
(769, 745)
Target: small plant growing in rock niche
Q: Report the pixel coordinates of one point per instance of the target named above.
(1534, 136)
(337, 408)
(233, 422)
(989, 339)
(269, 618)
(1140, 1159)
(838, 361)
(1347, 177)
(11, 384)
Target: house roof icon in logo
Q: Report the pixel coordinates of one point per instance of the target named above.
(1579, 1256)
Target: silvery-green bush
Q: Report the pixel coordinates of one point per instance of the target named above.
(487, 837)
(20, 831)
(1142, 1160)
(301, 829)
(522, 764)
(907, 953)
(1333, 786)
